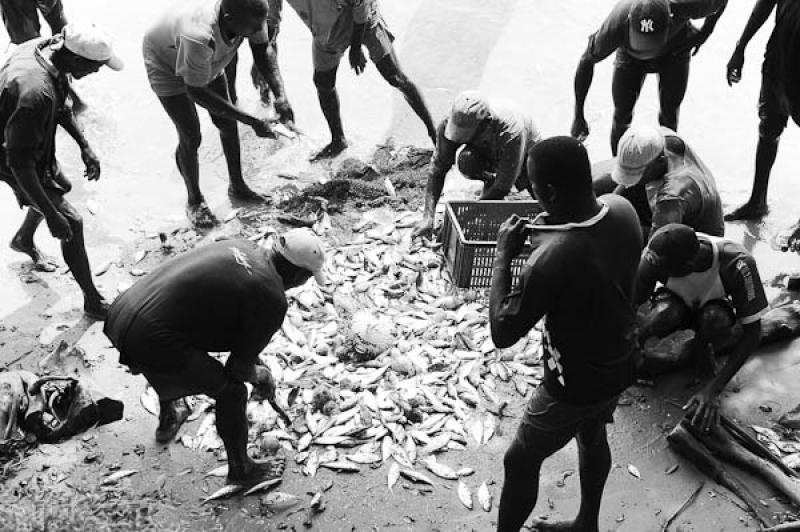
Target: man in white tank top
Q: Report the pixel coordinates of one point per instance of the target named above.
(710, 285)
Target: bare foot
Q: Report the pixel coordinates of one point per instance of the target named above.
(201, 216)
(245, 193)
(170, 419)
(540, 525)
(41, 262)
(748, 211)
(330, 151)
(256, 471)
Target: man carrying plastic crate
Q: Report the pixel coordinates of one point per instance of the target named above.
(580, 276)
(493, 137)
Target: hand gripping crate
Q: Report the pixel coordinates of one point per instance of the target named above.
(469, 238)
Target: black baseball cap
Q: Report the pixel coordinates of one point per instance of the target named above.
(648, 25)
(672, 246)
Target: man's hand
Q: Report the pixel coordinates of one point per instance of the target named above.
(357, 60)
(703, 409)
(424, 228)
(263, 384)
(735, 66)
(263, 129)
(511, 236)
(579, 129)
(59, 226)
(92, 163)
(284, 111)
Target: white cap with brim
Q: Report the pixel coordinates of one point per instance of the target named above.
(91, 42)
(468, 111)
(303, 248)
(637, 148)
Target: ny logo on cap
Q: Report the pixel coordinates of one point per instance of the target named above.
(646, 25)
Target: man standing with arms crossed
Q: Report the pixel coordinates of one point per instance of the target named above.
(337, 25)
(780, 92)
(580, 277)
(185, 54)
(650, 37)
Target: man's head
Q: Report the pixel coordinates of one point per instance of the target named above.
(468, 112)
(303, 250)
(244, 17)
(639, 147)
(561, 174)
(648, 26)
(84, 50)
(673, 250)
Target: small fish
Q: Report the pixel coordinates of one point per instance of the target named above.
(261, 486)
(484, 497)
(312, 463)
(634, 471)
(464, 495)
(465, 472)
(149, 400)
(224, 492)
(221, 471)
(413, 476)
(113, 478)
(440, 470)
(671, 469)
(411, 450)
(140, 255)
(103, 268)
(489, 425)
(476, 429)
(394, 475)
(437, 443)
(341, 466)
(386, 447)
(279, 500)
(231, 215)
(364, 458)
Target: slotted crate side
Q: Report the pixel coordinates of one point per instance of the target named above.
(469, 235)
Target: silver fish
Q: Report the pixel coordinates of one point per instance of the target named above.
(485, 497)
(440, 470)
(413, 476)
(261, 486)
(464, 495)
(394, 475)
(224, 492)
(341, 466)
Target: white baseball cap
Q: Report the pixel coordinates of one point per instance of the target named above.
(469, 109)
(303, 248)
(89, 41)
(637, 148)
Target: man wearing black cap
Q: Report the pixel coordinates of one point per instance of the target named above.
(780, 91)
(580, 278)
(650, 37)
(710, 285)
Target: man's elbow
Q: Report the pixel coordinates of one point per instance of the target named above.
(502, 335)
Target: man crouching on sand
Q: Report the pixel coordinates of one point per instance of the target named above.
(226, 296)
(580, 276)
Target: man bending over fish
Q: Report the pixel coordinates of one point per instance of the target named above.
(226, 296)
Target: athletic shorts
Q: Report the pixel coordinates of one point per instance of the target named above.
(774, 108)
(377, 38)
(172, 366)
(549, 424)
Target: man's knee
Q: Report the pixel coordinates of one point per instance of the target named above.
(715, 321)
(770, 128)
(226, 128)
(325, 81)
(665, 315)
(472, 165)
(190, 139)
(518, 461)
(592, 437)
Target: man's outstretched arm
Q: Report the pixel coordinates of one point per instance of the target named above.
(759, 15)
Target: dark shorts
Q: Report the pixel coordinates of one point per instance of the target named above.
(172, 366)
(21, 17)
(774, 108)
(377, 38)
(650, 66)
(549, 424)
(55, 185)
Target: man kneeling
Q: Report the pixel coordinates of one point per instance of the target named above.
(226, 296)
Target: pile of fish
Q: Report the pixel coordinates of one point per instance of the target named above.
(782, 442)
(431, 388)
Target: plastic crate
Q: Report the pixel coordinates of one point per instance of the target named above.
(469, 238)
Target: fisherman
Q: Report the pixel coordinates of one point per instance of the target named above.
(337, 25)
(712, 286)
(33, 90)
(580, 276)
(650, 37)
(488, 140)
(185, 54)
(780, 92)
(678, 186)
(226, 296)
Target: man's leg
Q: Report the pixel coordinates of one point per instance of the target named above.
(183, 113)
(74, 252)
(626, 84)
(673, 78)
(716, 333)
(23, 242)
(772, 122)
(325, 82)
(594, 457)
(229, 137)
(389, 67)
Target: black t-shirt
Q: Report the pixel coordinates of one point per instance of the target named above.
(582, 275)
(782, 56)
(226, 296)
(31, 93)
